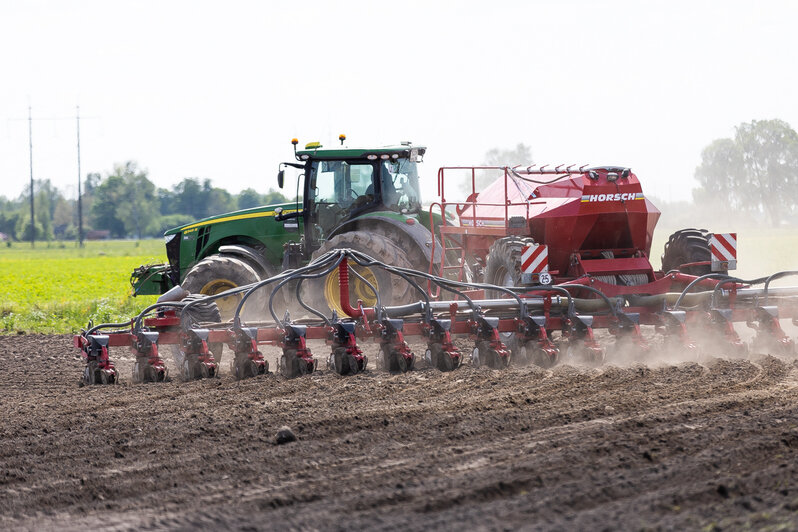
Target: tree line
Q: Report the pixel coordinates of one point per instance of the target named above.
(124, 202)
(753, 174)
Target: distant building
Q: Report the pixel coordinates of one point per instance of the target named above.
(99, 234)
(4, 237)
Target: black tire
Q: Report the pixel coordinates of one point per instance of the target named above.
(415, 255)
(322, 293)
(535, 355)
(440, 359)
(217, 273)
(340, 361)
(202, 312)
(289, 364)
(503, 268)
(503, 264)
(686, 246)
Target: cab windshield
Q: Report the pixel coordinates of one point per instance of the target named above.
(399, 180)
(350, 185)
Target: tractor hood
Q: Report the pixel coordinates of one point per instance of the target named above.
(245, 214)
(254, 228)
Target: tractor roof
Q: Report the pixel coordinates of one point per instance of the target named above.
(345, 152)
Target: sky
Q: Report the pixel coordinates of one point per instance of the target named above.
(217, 89)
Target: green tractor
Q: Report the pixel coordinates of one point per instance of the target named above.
(367, 199)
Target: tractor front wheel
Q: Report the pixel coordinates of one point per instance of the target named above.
(218, 273)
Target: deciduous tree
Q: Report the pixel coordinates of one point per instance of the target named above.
(755, 171)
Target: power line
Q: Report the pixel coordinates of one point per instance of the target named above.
(80, 201)
(30, 143)
(30, 120)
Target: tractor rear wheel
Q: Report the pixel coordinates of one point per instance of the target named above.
(687, 246)
(503, 268)
(218, 273)
(324, 294)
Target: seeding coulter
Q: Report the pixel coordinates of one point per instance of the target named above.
(542, 324)
(528, 268)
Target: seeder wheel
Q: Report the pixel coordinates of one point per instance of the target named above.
(384, 360)
(256, 369)
(437, 357)
(306, 367)
(355, 365)
(403, 364)
(579, 353)
(765, 343)
(484, 355)
(344, 363)
(158, 375)
(394, 361)
(289, 364)
(540, 357)
(188, 371)
(90, 374)
(339, 362)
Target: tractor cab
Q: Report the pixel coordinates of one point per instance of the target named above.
(342, 184)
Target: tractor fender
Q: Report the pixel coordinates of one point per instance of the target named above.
(419, 234)
(250, 256)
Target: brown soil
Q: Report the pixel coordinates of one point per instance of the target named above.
(683, 445)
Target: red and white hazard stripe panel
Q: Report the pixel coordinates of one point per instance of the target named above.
(723, 249)
(535, 259)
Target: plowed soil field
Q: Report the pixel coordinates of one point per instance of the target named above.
(690, 445)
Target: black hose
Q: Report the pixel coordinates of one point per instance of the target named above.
(775, 276)
(601, 294)
(302, 276)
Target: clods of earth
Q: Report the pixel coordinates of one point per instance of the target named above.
(709, 444)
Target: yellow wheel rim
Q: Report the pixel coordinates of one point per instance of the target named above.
(227, 305)
(357, 289)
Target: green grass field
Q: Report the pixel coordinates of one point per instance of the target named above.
(60, 287)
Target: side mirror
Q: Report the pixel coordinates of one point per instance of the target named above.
(280, 178)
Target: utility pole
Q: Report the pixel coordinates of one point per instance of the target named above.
(80, 201)
(30, 141)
